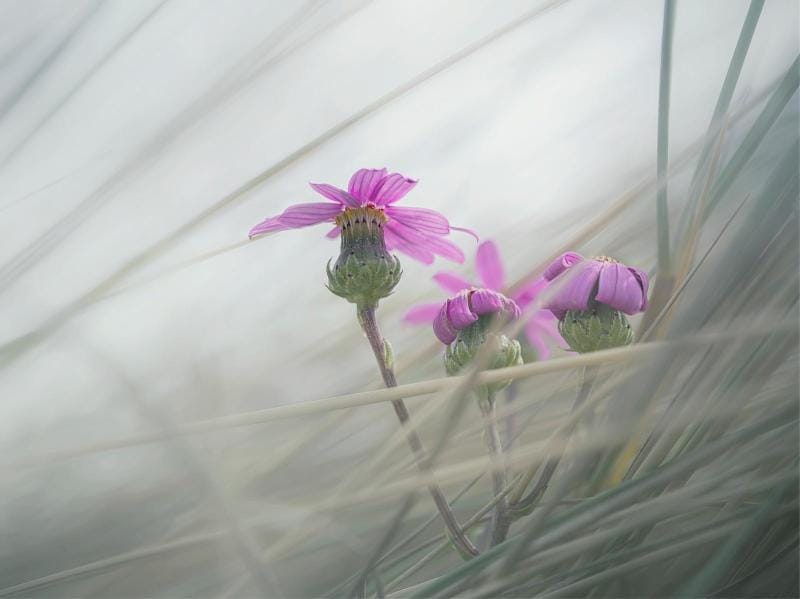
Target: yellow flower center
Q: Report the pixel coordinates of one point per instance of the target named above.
(367, 215)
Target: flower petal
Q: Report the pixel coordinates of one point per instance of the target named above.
(340, 196)
(442, 327)
(407, 240)
(534, 336)
(459, 313)
(401, 244)
(574, 289)
(420, 219)
(562, 263)
(644, 282)
(486, 301)
(422, 313)
(529, 292)
(619, 288)
(365, 182)
(490, 266)
(267, 226)
(451, 282)
(392, 188)
(333, 233)
(303, 215)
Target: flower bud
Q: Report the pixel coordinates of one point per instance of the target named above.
(600, 327)
(365, 271)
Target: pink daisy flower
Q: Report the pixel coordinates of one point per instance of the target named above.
(541, 324)
(579, 282)
(416, 232)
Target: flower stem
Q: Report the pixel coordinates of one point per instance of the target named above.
(368, 322)
(500, 518)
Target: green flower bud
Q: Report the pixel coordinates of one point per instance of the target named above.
(365, 271)
(601, 327)
(469, 341)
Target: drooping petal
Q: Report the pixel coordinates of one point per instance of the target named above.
(365, 182)
(422, 313)
(562, 263)
(267, 226)
(486, 301)
(333, 233)
(420, 219)
(490, 266)
(459, 313)
(451, 282)
(442, 327)
(644, 282)
(303, 215)
(392, 188)
(340, 196)
(619, 288)
(574, 289)
(419, 241)
(399, 243)
(467, 231)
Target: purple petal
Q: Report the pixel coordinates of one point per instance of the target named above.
(459, 313)
(267, 226)
(392, 188)
(407, 239)
(442, 327)
(529, 292)
(489, 266)
(333, 233)
(451, 282)
(340, 196)
(422, 313)
(399, 243)
(574, 289)
(420, 219)
(533, 334)
(486, 301)
(364, 183)
(467, 231)
(619, 288)
(303, 215)
(562, 263)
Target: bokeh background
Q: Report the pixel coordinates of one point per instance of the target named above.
(139, 142)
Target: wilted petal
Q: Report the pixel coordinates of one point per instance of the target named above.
(420, 219)
(267, 226)
(619, 288)
(422, 313)
(459, 312)
(340, 196)
(574, 289)
(303, 215)
(364, 183)
(392, 188)
(486, 301)
(442, 327)
(451, 282)
(562, 263)
(490, 266)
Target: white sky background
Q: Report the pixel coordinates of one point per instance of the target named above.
(140, 115)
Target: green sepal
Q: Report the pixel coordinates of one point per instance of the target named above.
(602, 327)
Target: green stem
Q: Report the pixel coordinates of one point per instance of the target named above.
(501, 520)
(369, 323)
(662, 157)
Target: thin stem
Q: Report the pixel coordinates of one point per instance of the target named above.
(501, 520)
(368, 322)
(663, 138)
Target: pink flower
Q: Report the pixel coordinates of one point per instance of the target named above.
(541, 323)
(463, 310)
(417, 232)
(579, 282)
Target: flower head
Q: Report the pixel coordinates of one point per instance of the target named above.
(491, 273)
(416, 232)
(601, 279)
(463, 310)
